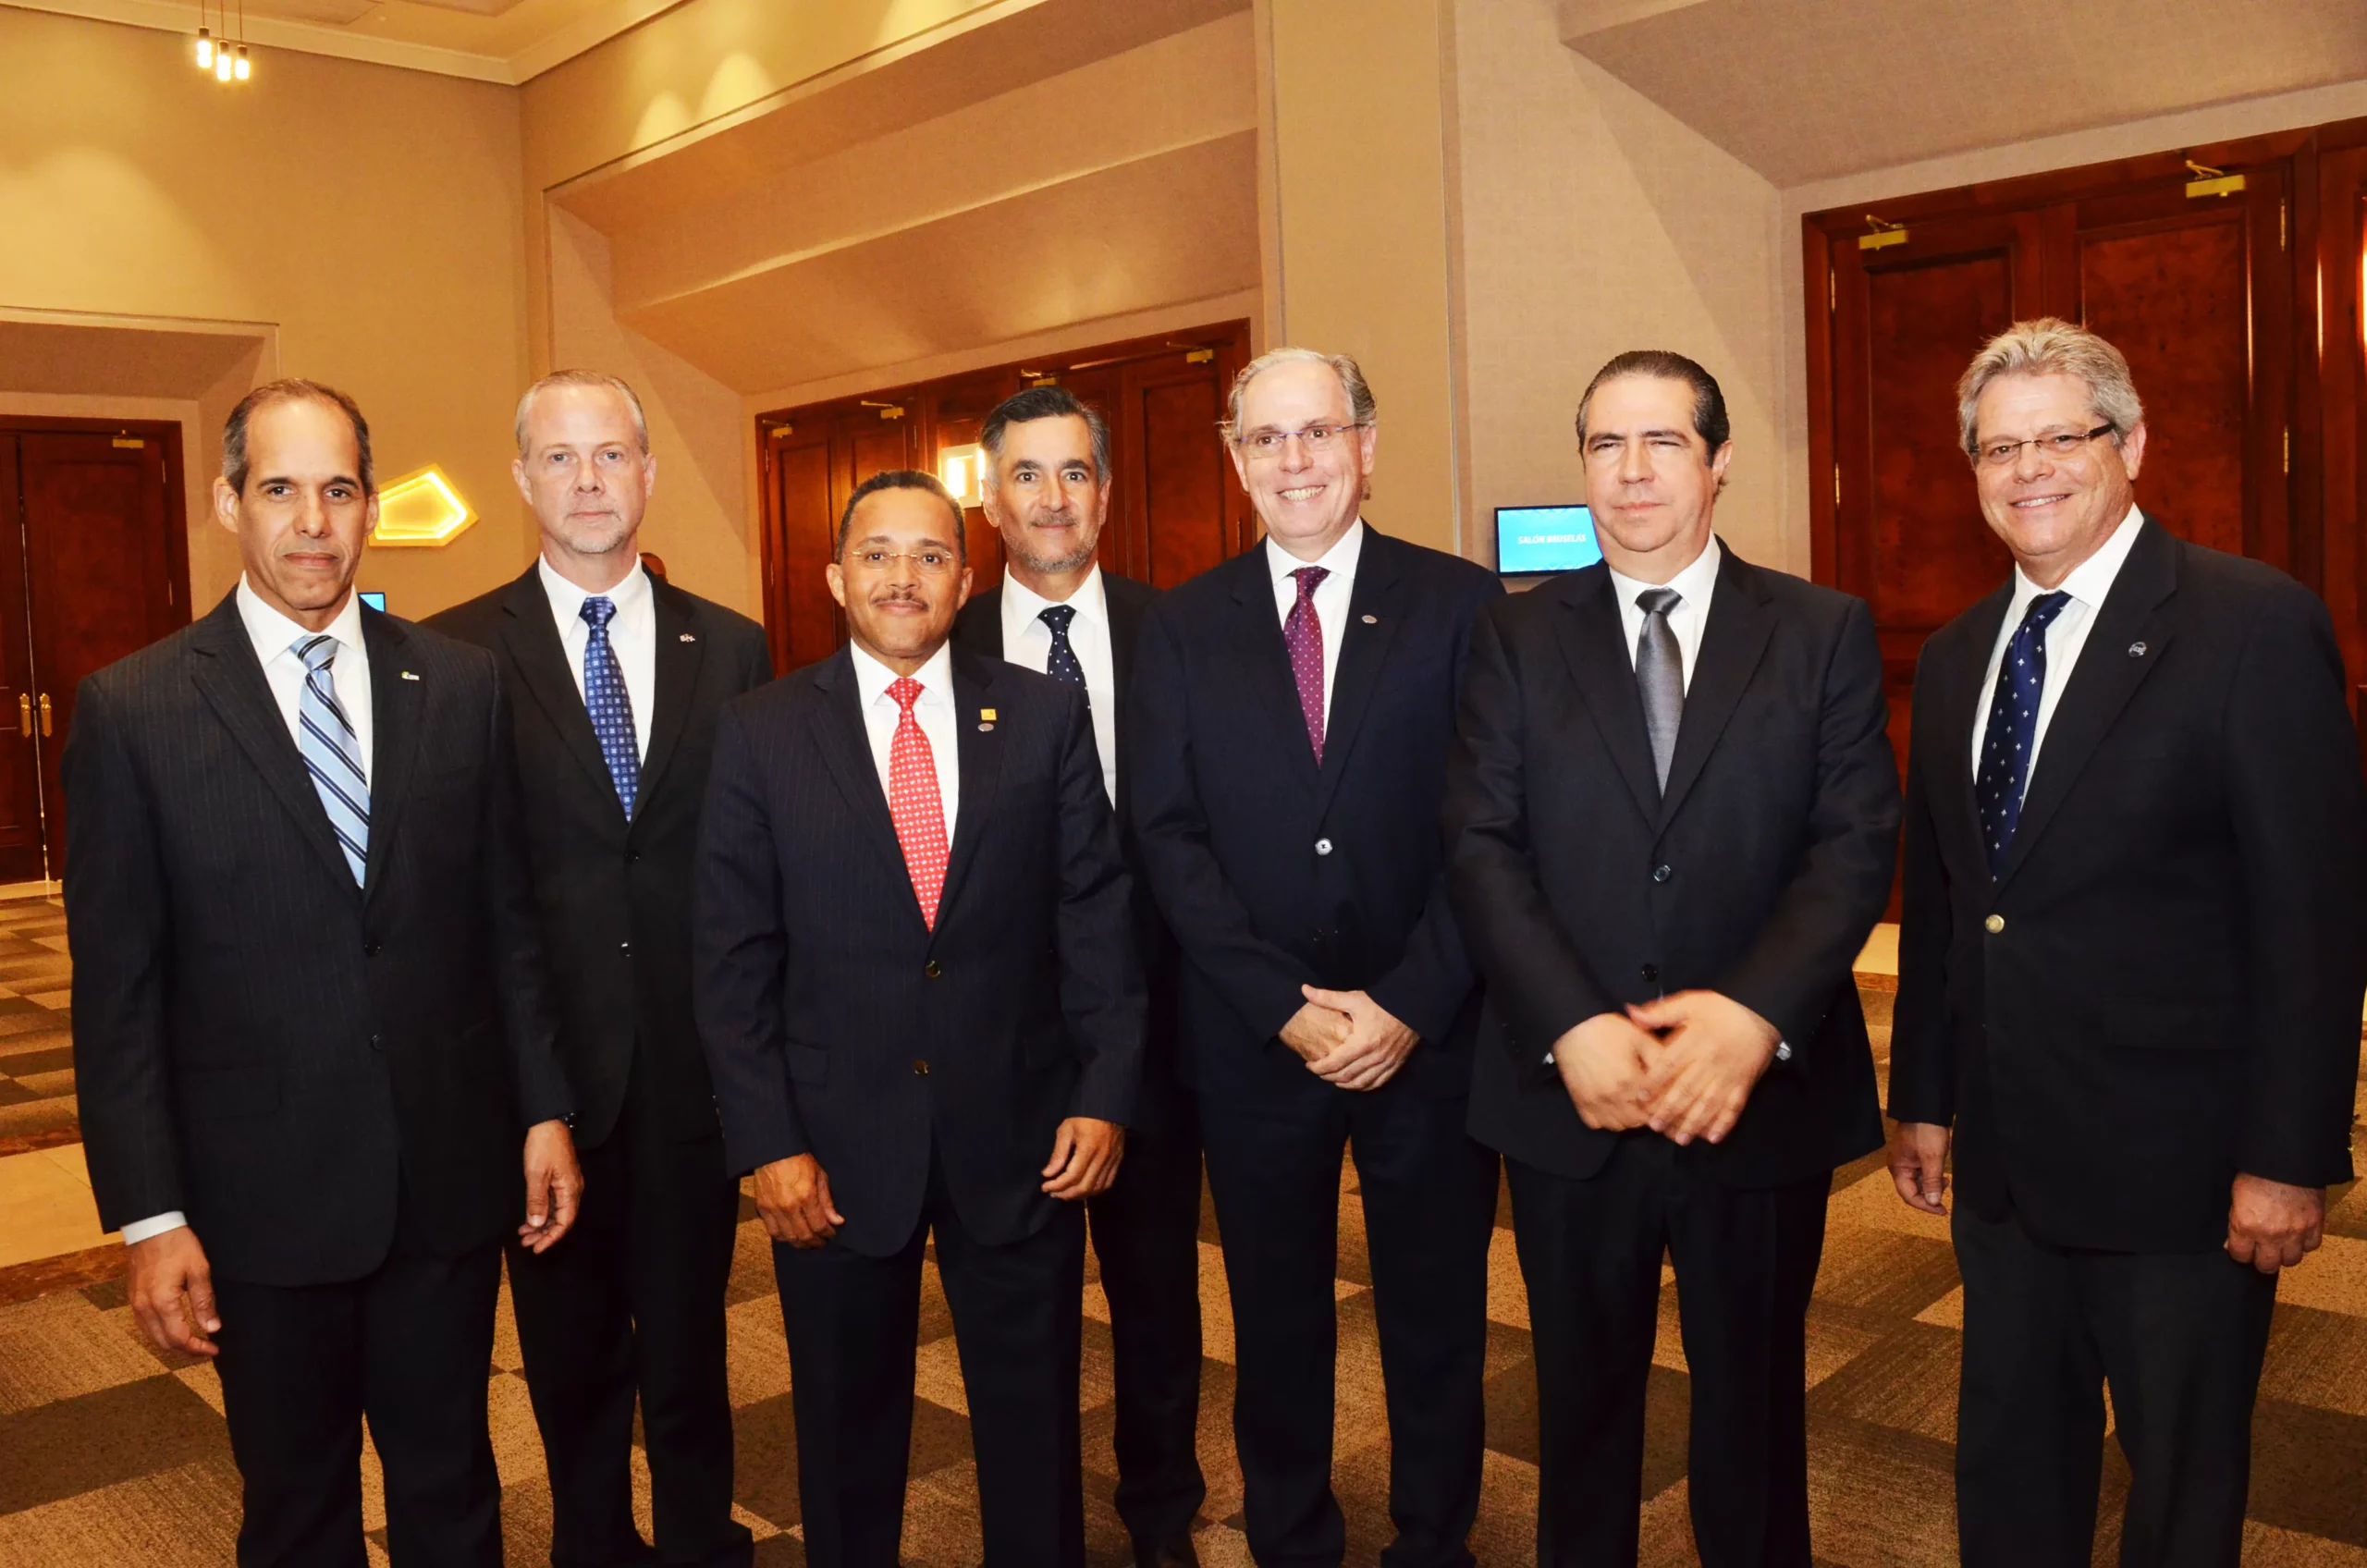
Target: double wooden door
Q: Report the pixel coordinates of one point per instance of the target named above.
(93, 566)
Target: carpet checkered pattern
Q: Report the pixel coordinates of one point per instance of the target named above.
(112, 1453)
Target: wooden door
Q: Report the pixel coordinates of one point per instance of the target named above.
(811, 467)
(103, 576)
(20, 774)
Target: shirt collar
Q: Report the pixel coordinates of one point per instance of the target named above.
(1339, 560)
(2091, 579)
(567, 599)
(872, 679)
(1694, 584)
(273, 634)
(1022, 604)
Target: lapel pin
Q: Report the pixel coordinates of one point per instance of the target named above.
(409, 676)
(988, 715)
(982, 727)
(688, 638)
(2137, 650)
(1372, 621)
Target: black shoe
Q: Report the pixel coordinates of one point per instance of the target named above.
(1175, 1552)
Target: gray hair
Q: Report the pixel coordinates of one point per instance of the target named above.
(1362, 410)
(1033, 403)
(2051, 346)
(581, 378)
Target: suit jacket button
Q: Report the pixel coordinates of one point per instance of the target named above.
(625, 948)
(632, 857)
(931, 969)
(1993, 925)
(1662, 873)
(1651, 974)
(377, 1042)
(1323, 846)
(920, 1069)
(370, 949)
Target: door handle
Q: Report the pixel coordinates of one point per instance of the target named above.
(44, 712)
(25, 712)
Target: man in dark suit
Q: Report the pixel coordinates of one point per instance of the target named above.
(1047, 492)
(2130, 972)
(915, 980)
(622, 675)
(311, 1018)
(1287, 729)
(1673, 818)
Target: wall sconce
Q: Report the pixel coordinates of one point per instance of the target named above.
(421, 511)
(964, 471)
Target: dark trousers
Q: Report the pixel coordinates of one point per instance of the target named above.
(633, 1300)
(1746, 1261)
(1146, 1237)
(2180, 1336)
(1430, 1200)
(410, 1346)
(853, 1324)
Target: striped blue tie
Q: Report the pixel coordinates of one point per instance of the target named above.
(333, 753)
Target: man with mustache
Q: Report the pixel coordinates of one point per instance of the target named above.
(311, 1026)
(917, 987)
(618, 676)
(1056, 610)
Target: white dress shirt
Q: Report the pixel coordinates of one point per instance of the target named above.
(1331, 595)
(1687, 618)
(1027, 640)
(274, 638)
(633, 635)
(933, 710)
(2066, 636)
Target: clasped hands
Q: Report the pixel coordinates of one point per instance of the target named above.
(1347, 1039)
(1683, 1066)
(793, 1195)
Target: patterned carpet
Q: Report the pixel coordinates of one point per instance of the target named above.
(110, 1454)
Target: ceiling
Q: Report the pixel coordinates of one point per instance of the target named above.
(1803, 92)
(506, 41)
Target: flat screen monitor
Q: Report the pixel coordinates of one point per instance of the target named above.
(375, 598)
(1531, 541)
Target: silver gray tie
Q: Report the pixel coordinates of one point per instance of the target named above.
(1660, 675)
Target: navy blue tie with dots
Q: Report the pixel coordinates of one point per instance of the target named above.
(2013, 728)
(1062, 665)
(610, 704)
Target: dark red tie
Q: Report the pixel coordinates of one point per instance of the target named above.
(1302, 635)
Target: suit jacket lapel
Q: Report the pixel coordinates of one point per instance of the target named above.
(979, 751)
(1959, 691)
(1375, 603)
(845, 745)
(679, 654)
(985, 624)
(396, 707)
(530, 638)
(1265, 660)
(1732, 641)
(227, 674)
(2109, 671)
(1595, 645)
(1125, 629)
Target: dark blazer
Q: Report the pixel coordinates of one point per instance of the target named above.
(616, 896)
(840, 1025)
(2163, 988)
(1271, 872)
(1583, 887)
(979, 629)
(259, 1043)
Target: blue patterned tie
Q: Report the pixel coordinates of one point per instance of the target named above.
(610, 704)
(332, 753)
(1063, 664)
(2013, 728)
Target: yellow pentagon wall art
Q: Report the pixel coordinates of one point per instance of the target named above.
(421, 511)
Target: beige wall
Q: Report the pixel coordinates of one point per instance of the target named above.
(371, 215)
(1592, 222)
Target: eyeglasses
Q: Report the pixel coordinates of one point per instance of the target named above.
(928, 563)
(1265, 445)
(1997, 454)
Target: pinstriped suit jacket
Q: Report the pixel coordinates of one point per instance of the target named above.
(258, 1042)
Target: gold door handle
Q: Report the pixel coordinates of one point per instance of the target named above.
(44, 712)
(25, 712)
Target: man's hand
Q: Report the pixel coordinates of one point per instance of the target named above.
(1604, 1063)
(1375, 1046)
(1315, 1031)
(1918, 1165)
(2271, 1225)
(554, 1185)
(1712, 1051)
(172, 1292)
(793, 1200)
(1085, 1153)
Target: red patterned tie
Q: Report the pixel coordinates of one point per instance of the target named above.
(914, 801)
(1302, 637)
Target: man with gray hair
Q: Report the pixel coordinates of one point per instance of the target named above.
(619, 677)
(2130, 972)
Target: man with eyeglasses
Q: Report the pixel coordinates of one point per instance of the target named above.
(2130, 972)
(1291, 715)
(915, 979)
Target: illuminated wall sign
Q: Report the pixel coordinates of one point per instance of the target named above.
(421, 511)
(963, 470)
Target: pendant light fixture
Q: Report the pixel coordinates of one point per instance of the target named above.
(204, 40)
(225, 55)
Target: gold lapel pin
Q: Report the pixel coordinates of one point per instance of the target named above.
(688, 638)
(409, 676)
(986, 715)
